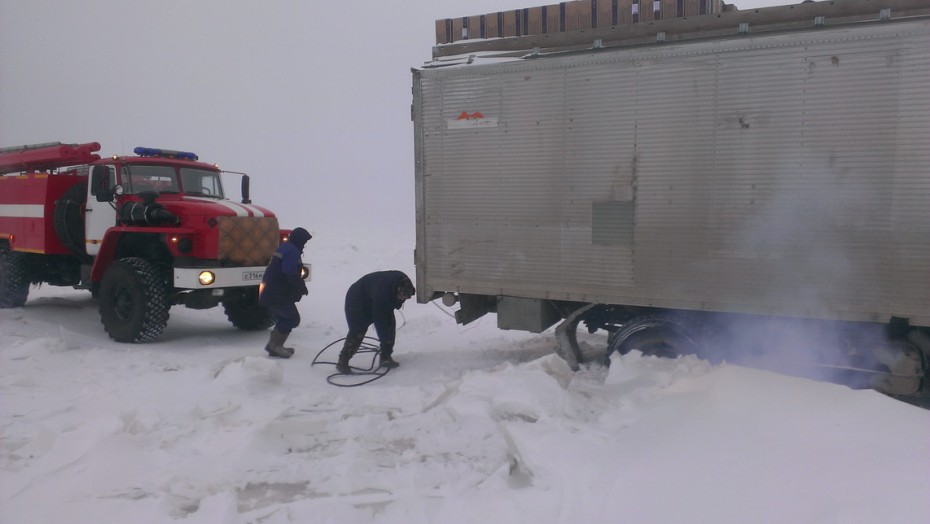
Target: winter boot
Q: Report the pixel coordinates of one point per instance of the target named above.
(283, 340)
(275, 346)
(388, 362)
(343, 365)
(351, 345)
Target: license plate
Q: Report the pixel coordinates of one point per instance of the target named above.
(252, 275)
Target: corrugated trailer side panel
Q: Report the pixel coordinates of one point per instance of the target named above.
(910, 194)
(782, 174)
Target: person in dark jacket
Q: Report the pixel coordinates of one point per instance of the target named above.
(372, 299)
(282, 287)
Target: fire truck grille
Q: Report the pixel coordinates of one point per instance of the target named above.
(247, 241)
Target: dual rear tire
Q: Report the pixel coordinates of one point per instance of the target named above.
(654, 335)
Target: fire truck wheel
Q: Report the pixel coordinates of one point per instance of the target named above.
(14, 278)
(134, 300)
(244, 311)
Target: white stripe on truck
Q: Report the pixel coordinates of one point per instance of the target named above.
(22, 210)
(236, 208)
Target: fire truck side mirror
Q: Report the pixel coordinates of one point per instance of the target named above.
(245, 190)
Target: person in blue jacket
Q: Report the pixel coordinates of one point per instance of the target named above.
(372, 299)
(281, 288)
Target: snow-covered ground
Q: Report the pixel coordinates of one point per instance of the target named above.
(477, 425)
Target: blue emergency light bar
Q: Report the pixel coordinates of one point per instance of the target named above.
(164, 153)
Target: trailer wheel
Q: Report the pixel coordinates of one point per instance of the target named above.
(134, 300)
(244, 311)
(69, 219)
(653, 335)
(14, 278)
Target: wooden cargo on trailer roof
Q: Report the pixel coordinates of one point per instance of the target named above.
(579, 15)
(719, 20)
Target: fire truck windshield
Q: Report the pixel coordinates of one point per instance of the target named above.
(167, 179)
(201, 182)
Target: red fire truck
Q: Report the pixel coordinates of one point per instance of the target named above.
(141, 232)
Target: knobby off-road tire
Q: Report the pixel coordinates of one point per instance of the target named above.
(244, 311)
(134, 300)
(14, 278)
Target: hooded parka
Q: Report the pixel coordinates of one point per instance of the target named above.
(282, 283)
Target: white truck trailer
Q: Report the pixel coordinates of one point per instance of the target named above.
(699, 184)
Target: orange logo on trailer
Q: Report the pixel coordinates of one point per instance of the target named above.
(476, 120)
(477, 115)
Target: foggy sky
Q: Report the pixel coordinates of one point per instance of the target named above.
(312, 99)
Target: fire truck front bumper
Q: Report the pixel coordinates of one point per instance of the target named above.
(223, 277)
(217, 277)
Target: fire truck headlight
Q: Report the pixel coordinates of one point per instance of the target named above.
(206, 278)
(304, 272)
